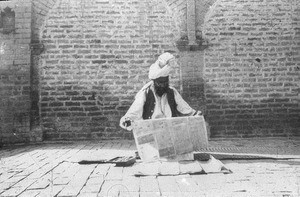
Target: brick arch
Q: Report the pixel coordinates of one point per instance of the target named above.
(249, 68)
(40, 9)
(178, 9)
(95, 60)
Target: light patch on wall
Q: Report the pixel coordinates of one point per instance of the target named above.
(2, 48)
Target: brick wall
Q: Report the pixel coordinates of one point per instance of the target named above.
(252, 68)
(15, 75)
(74, 66)
(96, 58)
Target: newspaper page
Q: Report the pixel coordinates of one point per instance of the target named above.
(173, 138)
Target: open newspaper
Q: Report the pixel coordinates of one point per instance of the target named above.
(174, 138)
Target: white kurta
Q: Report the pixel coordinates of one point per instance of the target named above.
(162, 108)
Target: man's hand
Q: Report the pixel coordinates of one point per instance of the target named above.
(198, 113)
(125, 123)
(172, 62)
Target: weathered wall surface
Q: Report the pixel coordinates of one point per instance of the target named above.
(192, 75)
(96, 58)
(191, 58)
(15, 71)
(252, 68)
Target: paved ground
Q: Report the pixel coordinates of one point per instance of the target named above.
(50, 169)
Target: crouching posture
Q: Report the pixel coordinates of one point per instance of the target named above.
(157, 99)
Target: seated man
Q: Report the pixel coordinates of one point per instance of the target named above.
(157, 99)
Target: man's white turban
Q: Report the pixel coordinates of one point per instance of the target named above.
(156, 70)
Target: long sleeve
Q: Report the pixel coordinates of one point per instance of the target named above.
(182, 106)
(135, 111)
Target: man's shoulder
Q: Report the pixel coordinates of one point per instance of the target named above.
(146, 86)
(143, 91)
(172, 88)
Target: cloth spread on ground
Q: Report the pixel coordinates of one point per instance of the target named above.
(164, 168)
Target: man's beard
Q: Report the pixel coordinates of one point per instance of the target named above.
(161, 90)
